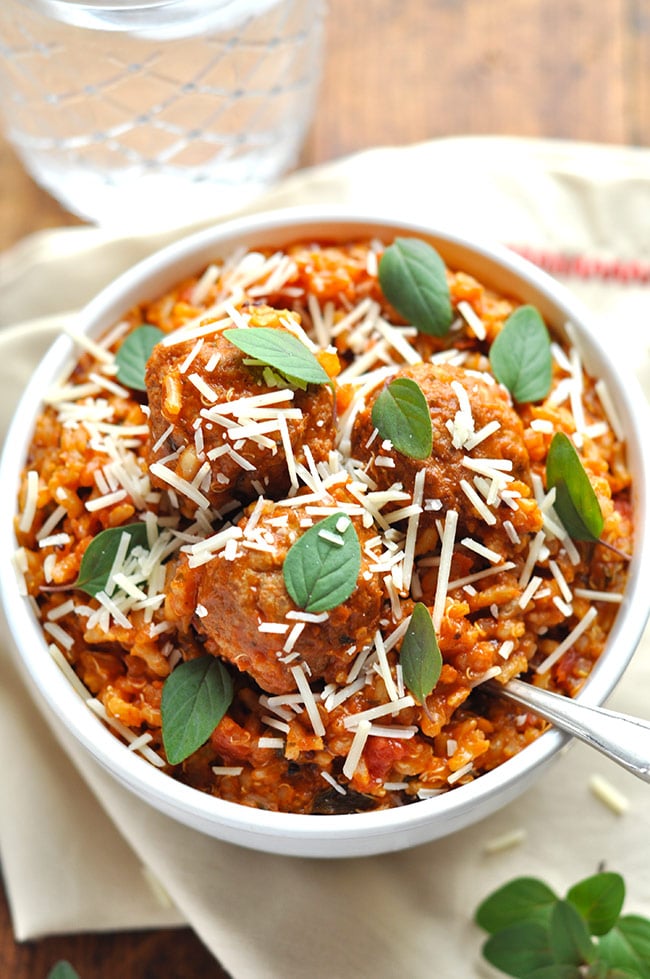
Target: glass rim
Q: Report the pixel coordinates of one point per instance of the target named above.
(131, 5)
(160, 18)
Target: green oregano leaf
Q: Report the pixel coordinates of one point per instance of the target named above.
(569, 936)
(520, 949)
(401, 413)
(99, 556)
(280, 350)
(414, 281)
(133, 354)
(627, 946)
(62, 970)
(528, 923)
(321, 568)
(520, 356)
(521, 899)
(420, 655)
(195, 697)
(599, 899)
(576, 503)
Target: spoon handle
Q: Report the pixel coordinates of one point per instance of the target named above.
(624, 739)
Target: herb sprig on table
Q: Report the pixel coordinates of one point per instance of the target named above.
(535, 934)
(62, 970)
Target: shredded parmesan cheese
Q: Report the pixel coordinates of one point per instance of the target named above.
(608, 794)
(356, 748)
(568, 641)
(506, 841)
(309, 700)
(29, 509)
(446, 554)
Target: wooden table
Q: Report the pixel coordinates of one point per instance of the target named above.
(396, 72)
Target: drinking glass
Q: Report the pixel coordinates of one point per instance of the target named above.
(152, 113)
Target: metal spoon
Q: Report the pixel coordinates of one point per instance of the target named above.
(624, 739)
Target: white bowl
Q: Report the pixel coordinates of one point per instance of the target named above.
(357, 834)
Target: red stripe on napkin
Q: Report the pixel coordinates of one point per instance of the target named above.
(620, 271)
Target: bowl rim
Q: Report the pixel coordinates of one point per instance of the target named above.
(190, 805)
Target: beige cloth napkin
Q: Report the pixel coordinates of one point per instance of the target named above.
(75, 845)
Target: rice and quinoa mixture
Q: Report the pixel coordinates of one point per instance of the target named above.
(225, 462)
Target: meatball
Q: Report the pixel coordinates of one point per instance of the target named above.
(217, 451)
(445, 469)
(227, 601)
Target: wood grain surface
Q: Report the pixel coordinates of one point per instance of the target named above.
(397, 72)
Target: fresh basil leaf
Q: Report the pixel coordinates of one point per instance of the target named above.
(280, 350)
(62, 970)
(195, 697)
(321, 573)
(520, 356)
(519, 949)
(521, 899)
(599, 899)
(133, 354)
(576, 503)
(414, 281)
(569, 936)
(98, 558)
(420, 655)
(401, 413)
(627, 946)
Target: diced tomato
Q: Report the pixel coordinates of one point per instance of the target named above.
(380, 755)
